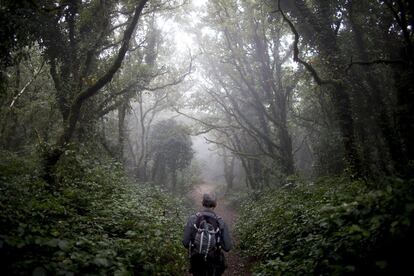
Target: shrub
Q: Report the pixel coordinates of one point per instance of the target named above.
(94, 221)
(332, 227)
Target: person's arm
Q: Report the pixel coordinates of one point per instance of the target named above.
(227, 244)
(188, 230)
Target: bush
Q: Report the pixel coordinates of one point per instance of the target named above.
(93, 222)
(332, 227)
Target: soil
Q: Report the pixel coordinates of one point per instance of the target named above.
(236, 264)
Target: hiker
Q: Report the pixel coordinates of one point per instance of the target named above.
(205, 235)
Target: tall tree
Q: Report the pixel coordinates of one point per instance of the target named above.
(330, 27)
(75, 41)
(247, 45)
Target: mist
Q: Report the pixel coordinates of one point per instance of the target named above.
(289, 122)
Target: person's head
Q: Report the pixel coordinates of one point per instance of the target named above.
(209, 200)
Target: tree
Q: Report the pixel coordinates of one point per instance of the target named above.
(69, 75)
(228, 169)
(170, 151)
(247, 87)
(76, 45)
(336, 33)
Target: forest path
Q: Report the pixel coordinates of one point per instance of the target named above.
(236, 265)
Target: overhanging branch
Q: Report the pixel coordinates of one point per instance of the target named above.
(376, 61)
(107, 77)
(27, 84)
(296, 57)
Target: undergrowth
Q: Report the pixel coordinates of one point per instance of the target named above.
(331, 227)
(94, 221)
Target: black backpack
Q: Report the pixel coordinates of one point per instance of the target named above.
(206, 240)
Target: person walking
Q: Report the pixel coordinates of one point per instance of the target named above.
(205, 236)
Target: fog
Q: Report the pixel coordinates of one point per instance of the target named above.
(207, 157)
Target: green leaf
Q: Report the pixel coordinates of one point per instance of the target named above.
(63, 245)
(101, 261)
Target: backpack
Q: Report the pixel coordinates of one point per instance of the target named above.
(207, 236)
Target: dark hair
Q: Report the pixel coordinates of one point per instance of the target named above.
(209, 200)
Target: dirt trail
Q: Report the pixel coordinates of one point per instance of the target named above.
(235, 263)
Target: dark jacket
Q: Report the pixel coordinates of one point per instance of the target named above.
(189, 231)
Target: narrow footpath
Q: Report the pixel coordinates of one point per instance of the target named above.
(235, 263)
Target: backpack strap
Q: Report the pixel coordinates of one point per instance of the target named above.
(208, 214)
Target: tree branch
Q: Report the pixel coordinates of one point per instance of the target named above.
(235, 151)
(296, 57)
(27, 84)
(107, 77)
(376, 61)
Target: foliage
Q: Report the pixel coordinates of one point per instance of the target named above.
(170, 148)
(34, 115)
(332, 227)
(94, 222)
(245, 90)
(189, 177)
(16, 32)
(288, 87)
(172, 142)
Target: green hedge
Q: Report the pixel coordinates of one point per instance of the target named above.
(332, 227)
(93, 222)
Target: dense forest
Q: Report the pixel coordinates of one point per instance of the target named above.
(299, 114)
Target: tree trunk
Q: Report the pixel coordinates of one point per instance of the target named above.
(121, 131)
(229, 171)
(174, 181)
(405, 116)
(380, 112)
(342, 105)
(326, 42)
(71, 117)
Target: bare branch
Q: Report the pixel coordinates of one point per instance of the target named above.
(210, 125)
(296, 57)
(92, 90)
(118, 26)
(376, 61)
(235, 151)
(27, 84)
(174, 82)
